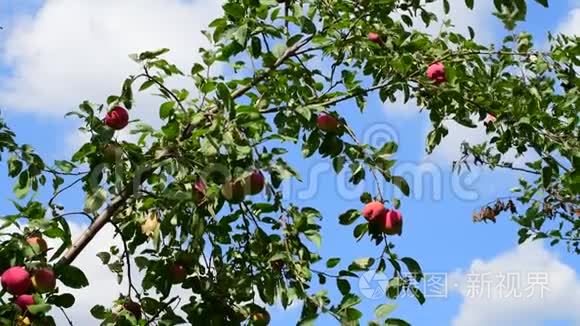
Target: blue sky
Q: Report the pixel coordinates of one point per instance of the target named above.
(54, 54)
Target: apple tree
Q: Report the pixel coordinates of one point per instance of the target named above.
(182, 197)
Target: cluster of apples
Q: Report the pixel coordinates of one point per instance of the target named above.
(235, 190)
(23, 283)
(389, 221)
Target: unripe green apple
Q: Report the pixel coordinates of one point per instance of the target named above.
(37, 243)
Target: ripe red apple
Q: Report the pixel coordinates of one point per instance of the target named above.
(134, 308)
(44, 280)
(374, 211)
(490, 118)
(24, 300)
(374, 37)
(260, 318)
(327, 123)
(199, 189)
(117, 118)
(233, 191)
(255, 182)
(37, 243)
(185, 258)
(392, 222)
(112, 153)
(177, 273)
(436, 72)
(16, 280)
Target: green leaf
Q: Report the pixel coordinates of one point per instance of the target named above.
(413, 267)
(98, 312)
(104, 256)
(360, 230)
(64, 166)
(546, 176)
(543, 3)
(278, 256)
(418, 294)
(343, 286)
(469, 4)
(95, 200)
(166, 109)
(314, 236)
(36, 309)
(388, 148)
(396, 322)
(71, 276)
(332, 262)
(384, 309)
(338, 163)
(353, 314)
(279, 50)
(348, 217)
(362, 263)
(65, 300)
(304, 111)
(402, 184)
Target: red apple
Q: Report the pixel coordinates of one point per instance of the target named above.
(24, 300)
(255, 182)
(373, 211)
(37, 243)
(117, 118)
(260, 318)
(134, 308)
(490, 118)
(185, 258)
(327, 123)
(177, 273)
(199, 189)
(436, 72)
(374, 37)
(16, 280)
(233, 191)
(392, 222)
(44, 280)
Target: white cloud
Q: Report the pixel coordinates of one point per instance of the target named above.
(71, 50)
(571, 24)
(490, 288)
(103, 288)
(480, 18)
